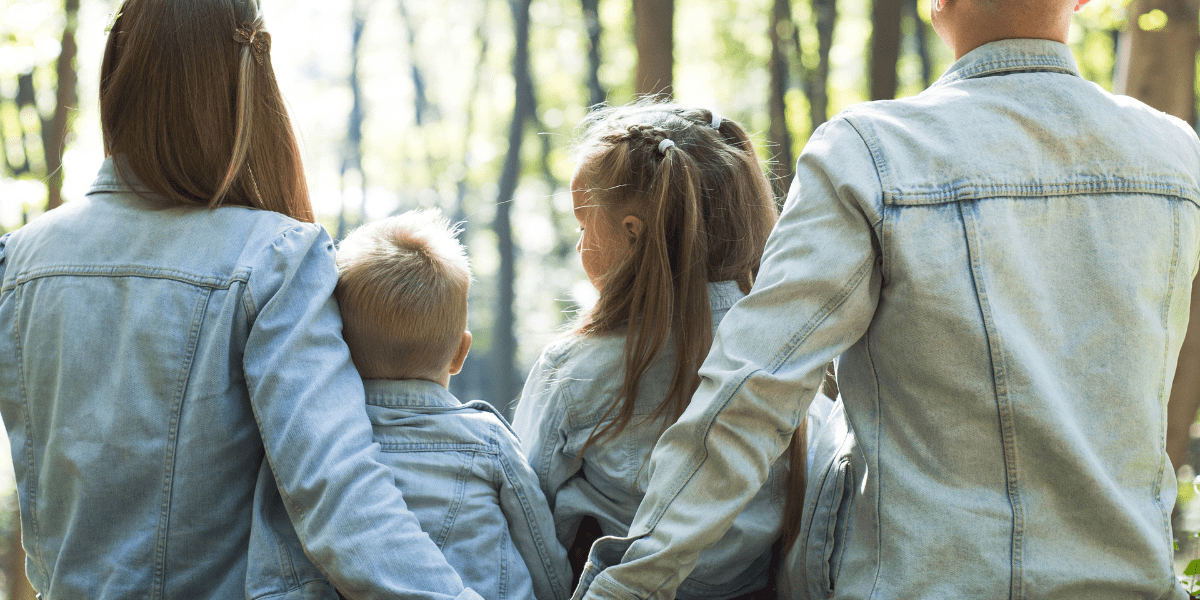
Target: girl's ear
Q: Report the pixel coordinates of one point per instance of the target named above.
(633, 227)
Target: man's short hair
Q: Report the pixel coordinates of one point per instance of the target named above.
(402, 287)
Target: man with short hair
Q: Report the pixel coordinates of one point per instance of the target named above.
(1003, 264)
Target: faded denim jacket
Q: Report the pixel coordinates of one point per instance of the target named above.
(463, 474)
(566, 395)
(184, 417)
(1003, 263)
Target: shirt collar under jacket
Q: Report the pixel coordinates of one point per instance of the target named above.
(408, 393)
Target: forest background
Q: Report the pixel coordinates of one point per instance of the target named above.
(470, 106)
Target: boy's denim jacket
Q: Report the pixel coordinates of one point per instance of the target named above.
(171, 380)
(566, 395)
(1004, 263)
(463, 474)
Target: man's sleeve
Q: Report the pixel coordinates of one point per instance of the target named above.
(814, 297)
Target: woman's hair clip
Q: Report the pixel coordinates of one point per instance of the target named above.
(716, 121)
(258, 40)
(663, 145)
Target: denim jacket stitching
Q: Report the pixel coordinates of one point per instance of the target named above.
(160, 553)
(129, 271)
(539, 539)
(852, 282)
(1172, 274)
(1025, 64)
(455, 505)
(1003, 403)
(31, 478)
(958, 191)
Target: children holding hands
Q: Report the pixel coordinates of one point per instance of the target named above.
(402, 289)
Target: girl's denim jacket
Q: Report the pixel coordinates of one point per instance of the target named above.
(174, 380)
(462, 472)
(566, 395)
(1004, 265)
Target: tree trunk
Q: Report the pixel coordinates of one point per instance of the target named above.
(504, 344)
(653, 34)
(825, 13)
(352, 152)
(421, 108)
(54, 133)
(591, 21)
(1159, 68)
(885, 47)
(781, 25)
(921, 35)
(1185, 389)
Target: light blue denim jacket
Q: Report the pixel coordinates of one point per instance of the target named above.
(1004, 264)
(174, 380)
(566, 396)
(463, 474)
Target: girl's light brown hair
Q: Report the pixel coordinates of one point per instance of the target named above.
(706, 208)
(195, 116)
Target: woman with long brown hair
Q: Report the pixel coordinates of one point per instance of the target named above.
(184, 417)
(674, 211)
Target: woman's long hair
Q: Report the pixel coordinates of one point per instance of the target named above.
(189, 104)
(706, 208)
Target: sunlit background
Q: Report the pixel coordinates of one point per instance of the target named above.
(434, 88)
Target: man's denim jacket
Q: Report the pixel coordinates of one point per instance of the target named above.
(462, 473)
(174, 380)
(1004, 263)
(567, 395)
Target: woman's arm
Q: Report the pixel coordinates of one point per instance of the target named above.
(309, 404)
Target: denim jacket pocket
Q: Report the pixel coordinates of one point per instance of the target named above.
(827, 535)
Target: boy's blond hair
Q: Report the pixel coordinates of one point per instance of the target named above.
(402, 287)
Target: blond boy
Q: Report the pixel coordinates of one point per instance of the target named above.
(402, 288)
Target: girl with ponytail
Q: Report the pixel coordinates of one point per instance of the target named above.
(674, 211)
(184, 417)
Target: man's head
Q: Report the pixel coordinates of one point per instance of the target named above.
(402, 288)
(967, 24)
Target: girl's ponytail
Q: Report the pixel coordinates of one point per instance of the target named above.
(706, 210)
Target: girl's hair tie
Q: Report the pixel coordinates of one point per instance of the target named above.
(258, 40)
(663, 145)
(716, 121)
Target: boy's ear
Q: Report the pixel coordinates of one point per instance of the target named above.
(633, 227)
(460, 356)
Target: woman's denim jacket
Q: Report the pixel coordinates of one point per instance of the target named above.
(172, 379)
(1004, 263)
(566, 396)
(462, 472)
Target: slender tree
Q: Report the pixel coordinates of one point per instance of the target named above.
(781, 31)
(653, 35)
(817, 84)
(54, 131)
(921, 37)
(591, 22)
(885, 47)
(504, 344)
(352, 148)
(1158, 67)
(421, 104)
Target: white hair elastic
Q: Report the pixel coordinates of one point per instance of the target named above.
(663, 145)
(716, 121)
